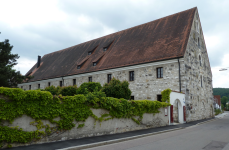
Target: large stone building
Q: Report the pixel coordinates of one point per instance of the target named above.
(166, 53)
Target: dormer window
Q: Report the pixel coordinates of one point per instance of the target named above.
(89, 53)
(105, 49)
(94, 63)
(78, 67)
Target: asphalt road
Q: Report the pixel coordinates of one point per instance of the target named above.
(213, 135)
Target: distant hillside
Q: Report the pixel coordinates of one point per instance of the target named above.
(221, 91)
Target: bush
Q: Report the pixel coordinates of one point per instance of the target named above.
(87, 87)
(217, 111)
(117, 89)
(53, 90)
(68, 91)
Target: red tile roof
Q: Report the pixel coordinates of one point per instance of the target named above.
(162, 39)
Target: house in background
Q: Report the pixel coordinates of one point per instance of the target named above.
(166, 53)
(217, 102)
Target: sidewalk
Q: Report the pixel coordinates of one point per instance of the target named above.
(221, 115)
(107, 138)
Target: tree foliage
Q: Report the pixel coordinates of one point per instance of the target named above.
(9, 77)
(224, 100)
(221, 91)
(117, 89)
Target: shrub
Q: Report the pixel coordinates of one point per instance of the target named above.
(68, 90)
(53, 90)
(117, 89)
(217, 111)
(87, 87)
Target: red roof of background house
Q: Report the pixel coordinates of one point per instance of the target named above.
(162, 39)
(217, 99)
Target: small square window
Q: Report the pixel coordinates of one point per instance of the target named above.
(74, 81)
(78, 67)
(90, 79)
(159, 97)
(109, 78)
(29, 87)
(60, 83)
(49, 84)
(131, 75)
(160, 72)
(94, 63)
(39, 86)
(131, 97)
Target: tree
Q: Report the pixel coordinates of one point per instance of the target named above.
(224, 100)
(9, 77)
(117, 89)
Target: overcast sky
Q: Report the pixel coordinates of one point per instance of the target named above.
(38, 27)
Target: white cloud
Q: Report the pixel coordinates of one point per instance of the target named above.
(39, 27)
(220, 78)
(25, 12)
(24, 64)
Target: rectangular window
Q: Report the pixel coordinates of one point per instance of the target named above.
(49, 84)
(60, 83)
(131, 97)
(108, 78)
(159, 98)
(131, 75)
(74, 81)
(38, 86)
(29, 87)
(160, 72)
(201, 81)
(89, 79)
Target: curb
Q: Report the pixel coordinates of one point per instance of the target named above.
(206, 121)
(116, 141)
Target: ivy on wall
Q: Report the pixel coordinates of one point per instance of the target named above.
(42, 105)
(166, 95)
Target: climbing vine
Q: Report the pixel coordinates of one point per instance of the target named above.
(166, 95)
(42, 105)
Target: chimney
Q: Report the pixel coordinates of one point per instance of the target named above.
(38, 61)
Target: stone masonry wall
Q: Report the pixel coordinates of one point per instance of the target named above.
(116, 125)
(196, 67)
(146, 85)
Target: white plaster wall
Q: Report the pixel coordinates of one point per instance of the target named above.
(181, 97)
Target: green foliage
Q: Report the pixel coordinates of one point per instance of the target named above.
(222, 107)
(166, 95)
(53, 90)
(224, 100)
(80, 125)
(117, 89)
(221, 91)
(87, 87)
(9, 77)
(217, 111)
(42, 105)
(68, 90)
